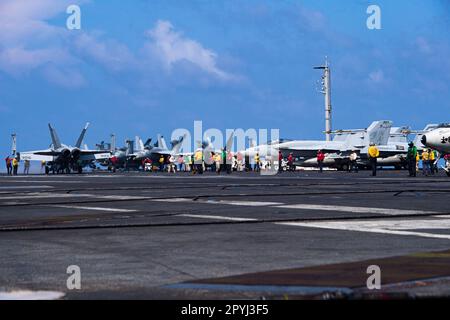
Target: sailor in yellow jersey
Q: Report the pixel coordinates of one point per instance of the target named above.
(417, 162)
(426, 162)
(373, 154)
(15, 165)
(257, 163)
(199, 162)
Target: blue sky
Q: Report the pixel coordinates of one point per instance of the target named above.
(146, 67)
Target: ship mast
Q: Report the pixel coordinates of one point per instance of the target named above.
(326, 91)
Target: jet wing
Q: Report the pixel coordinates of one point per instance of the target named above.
(94, 155)
(325, 149)
(52, 153)
(44, 155)
(94, 152)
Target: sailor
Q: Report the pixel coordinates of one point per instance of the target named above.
(223, 160)
(417, 162)
(373, 154)
(436, 157)
(161, 163)
(217, 158)
(181, 165)
(192, 163)
(43, 163)
(353, 161)
(280, 161)
(8, 161)
(425, 162)
(432, 160)
(257, 162)
(15, 164)
(26, 167)
(229, 156)
(290, 162)
(411, 158)
(320, 159)
(199, 162)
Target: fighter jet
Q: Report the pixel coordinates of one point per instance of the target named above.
(337, 151)
(63, 158)
(438, 139)
(147, 151)
(395, 152)
(119, 157)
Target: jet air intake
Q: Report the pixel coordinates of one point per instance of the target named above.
(424, 140)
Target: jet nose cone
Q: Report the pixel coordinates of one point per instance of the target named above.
(424, 140)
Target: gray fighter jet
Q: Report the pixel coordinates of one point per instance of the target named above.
(61, 158)
(154, 152)
(439, 139)
(337, 151)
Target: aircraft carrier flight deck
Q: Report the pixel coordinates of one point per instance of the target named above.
(293, 235)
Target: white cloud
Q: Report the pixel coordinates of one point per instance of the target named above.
(30, 44)
(24, 21)
(69, 78)
(17, 61)
(111, 54)
(172, 47)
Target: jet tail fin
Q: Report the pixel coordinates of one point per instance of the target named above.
(81, 137)
(112, 145)
(55, 139)
(130, 147)
(139, 144)
(148, 142)
(162, 143)
(178, 144)
(378, 132)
